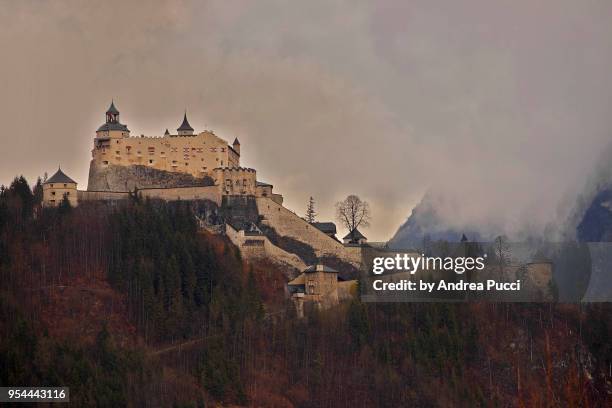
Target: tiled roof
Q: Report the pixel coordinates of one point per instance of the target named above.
(320, 268)
(59, 177)
(185, 125)
(112, 109)
(326, 227)
(354, 235)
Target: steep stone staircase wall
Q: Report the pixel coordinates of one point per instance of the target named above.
(287, 223)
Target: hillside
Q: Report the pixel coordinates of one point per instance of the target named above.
(131, 304)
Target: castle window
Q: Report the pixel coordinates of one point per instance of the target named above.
(221, 162)
(65, 185)
(53, 193)
(150, 161)
(105, 162)
(118, 152)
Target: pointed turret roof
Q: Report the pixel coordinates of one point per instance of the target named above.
(112, 109)
(236, 142)
(354, 235)
(59, 177)
(185, 125)
(166, 133)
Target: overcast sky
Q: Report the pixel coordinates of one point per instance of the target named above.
(501, 106)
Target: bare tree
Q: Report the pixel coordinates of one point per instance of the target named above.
(502, 253)
(353, 212)
(310, 211)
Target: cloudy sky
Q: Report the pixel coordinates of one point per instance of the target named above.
(501, 106)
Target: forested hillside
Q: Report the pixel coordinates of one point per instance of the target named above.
(130, 304)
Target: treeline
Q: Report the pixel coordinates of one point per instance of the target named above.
(202, 332)
(178, 284)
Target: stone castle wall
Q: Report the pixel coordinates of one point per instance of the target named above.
(236, 180)
(259, 246)
(210, 193)
(287, 223)
(197, 155)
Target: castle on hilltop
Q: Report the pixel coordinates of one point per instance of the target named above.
(204, 167)
(185, 165)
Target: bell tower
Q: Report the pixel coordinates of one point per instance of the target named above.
(112, 114)
(112, 127)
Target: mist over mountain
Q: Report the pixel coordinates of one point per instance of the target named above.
(426, 220)
(584, 214)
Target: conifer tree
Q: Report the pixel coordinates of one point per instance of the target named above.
(310, 211)
(38, 191)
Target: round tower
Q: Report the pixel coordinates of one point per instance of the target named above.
(112, 127)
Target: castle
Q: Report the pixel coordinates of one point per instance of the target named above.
(202, 166)
(177, 166)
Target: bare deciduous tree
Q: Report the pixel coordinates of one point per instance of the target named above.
(502, 253)
(353, 212)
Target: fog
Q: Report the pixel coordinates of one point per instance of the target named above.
(501, 107)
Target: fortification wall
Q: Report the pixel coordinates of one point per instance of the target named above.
(287, 223)
(236, 180)
(211, 193)
(126, 178)
(102, 195)
(169, 194)
(259, 246)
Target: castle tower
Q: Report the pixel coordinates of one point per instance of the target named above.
(236, 146)
(57, 187)
(112, 127)
(112, 114)
(185, 129)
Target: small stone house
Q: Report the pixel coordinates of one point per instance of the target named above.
(320, 285)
